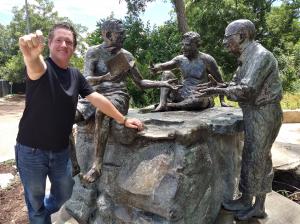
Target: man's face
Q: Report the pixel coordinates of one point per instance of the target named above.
(189, 48)
(117, 38)
(231, 41)
(61, 46)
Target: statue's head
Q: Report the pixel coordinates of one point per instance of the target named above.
(190, 44)
(113, 32)
(237, 33)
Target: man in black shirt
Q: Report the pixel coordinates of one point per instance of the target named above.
(51, 99)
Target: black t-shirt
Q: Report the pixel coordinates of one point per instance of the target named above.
(50, 107)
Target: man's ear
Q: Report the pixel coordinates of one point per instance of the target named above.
(49, 42)
(243, 36)
(108, 35)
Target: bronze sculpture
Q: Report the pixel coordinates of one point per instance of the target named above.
(257, 88)
(106, 67)
(195, 67)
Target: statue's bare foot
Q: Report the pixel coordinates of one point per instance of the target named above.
(237, 205)
(253, 212)
(92, 175)
(160, 108)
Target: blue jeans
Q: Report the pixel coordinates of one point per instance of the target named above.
(34, 166)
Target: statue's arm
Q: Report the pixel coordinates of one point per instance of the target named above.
(145, 83)
(213, 69)
(90, 62)
(169, 65)
(96, 80)
(253, 79)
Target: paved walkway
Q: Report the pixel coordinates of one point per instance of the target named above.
(10, 114)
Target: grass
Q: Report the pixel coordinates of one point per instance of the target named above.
(290, 101)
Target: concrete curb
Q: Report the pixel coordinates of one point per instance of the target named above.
(291, 116)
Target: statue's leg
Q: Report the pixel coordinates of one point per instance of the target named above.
(190, 104)
(162, 106)
(73, 157)
(242, 204)
(164, 92)
(102, 126)
(257, 211)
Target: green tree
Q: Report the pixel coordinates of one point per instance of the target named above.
(283, 26)
(137, 6)
(5, 44)
(210, 18)
(42, 17)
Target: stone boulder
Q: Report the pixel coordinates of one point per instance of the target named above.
(178, 170)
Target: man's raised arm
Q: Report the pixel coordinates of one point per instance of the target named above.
(32, 46)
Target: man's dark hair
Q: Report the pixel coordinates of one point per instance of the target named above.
(112, 25)
(66, 26)
(192, 37)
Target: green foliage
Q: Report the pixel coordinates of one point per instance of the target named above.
(149, 46)
(283, 40)
(13, 70)
(289, 72)
(159, 45)
(210, 18)
(77, 62)
(278, 29)
(136, 6)
(42, 17)
(291, 101)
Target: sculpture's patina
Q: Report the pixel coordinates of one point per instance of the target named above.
(195, 67)
(178, 170)
(106, 67)
(256, 87)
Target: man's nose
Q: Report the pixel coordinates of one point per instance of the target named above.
(225, 42)
(63, 43)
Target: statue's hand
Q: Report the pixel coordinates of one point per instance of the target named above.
(172, 84)
(153, 68)
(209, 92)
(212, 83)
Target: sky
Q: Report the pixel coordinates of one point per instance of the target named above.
(88, 12)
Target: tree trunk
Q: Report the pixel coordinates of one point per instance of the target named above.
(181, 18)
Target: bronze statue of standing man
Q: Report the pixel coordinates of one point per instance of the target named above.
(257, 88)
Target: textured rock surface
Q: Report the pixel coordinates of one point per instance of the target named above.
(178, 170)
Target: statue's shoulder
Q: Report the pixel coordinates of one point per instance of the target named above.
(207, 58)
(128, 55)
(180, 58)
(260, 52)
(94, 50)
